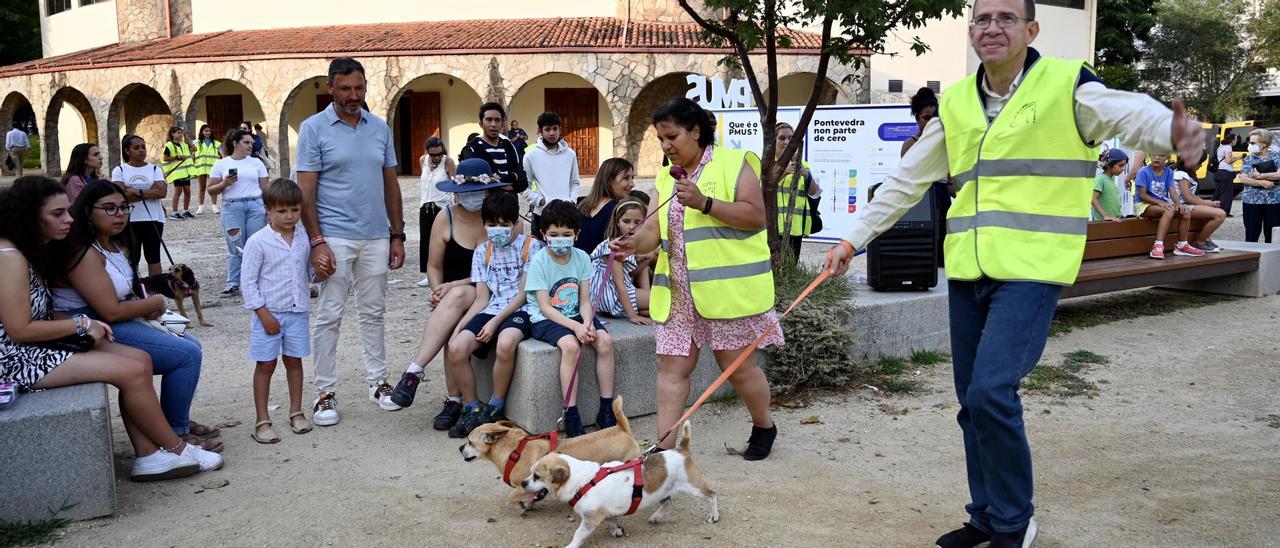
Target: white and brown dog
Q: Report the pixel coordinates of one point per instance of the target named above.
(598, 495)
(513, 451)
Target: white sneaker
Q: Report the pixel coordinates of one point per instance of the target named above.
(208, 459)
(200, 210)
(424, 282)
(325, 410)
(215, 208)
(163, 465)
(381, 395)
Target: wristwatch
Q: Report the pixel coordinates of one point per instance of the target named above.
(399, 236)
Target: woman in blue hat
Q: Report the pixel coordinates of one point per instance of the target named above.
(454, 237)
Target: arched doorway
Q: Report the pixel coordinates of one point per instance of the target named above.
(304, 100)
(222, 105)
(433, 104)
(16, 111)
(642, 140)
(67, 127)
(794, 90)
(141, 110)
(587, 123)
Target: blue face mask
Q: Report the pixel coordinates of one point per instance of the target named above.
(471, 201)
(560, 245)
(499, 235)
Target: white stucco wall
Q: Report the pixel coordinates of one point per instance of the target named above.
(79, 28)
(213, 15)
(71, 131)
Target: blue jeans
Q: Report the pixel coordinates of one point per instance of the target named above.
(998, 332)
(176, 359)
(245, 217)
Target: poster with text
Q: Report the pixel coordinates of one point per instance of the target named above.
(849, 148)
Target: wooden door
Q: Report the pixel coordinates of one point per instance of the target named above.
(224, 113)
(580, 118)
(424, 123)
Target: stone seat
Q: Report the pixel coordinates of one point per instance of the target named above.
(535, 396)
(55, 451)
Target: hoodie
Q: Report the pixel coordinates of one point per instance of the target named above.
(553, 173)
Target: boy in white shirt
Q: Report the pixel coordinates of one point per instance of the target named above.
(275, 284)
(552, 167)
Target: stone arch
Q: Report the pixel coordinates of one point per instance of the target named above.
(431, 104)
(57, 127)
(225, 119)
(301, 102)
(794, 89)
(642, 141)
(593, 143)
(141, 110)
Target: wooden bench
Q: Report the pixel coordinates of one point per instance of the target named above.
(1115, 259)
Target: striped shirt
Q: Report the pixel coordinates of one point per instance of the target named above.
(501, 165)
(276, 274)
(500, 268)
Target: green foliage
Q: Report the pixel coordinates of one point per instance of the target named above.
(1086, 357)
(20, 38)
(928, 357)
(1126, 306)
(1064, 380)
(34, 533)
(1122, 25)
(819, 348)
(32, 159)
(1224, 74)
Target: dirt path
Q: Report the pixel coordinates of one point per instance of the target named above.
(1175, 450)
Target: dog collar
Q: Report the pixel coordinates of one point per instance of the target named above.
(552, 438)
(637, 484)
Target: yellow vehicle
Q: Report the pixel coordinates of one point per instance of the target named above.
(1213, 137)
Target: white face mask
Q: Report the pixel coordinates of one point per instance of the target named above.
(500, 235)
(1254, 148)
(471, 201)
(560, 245)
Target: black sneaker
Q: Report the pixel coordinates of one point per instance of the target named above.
(406, 389)
(760, 444)
(1020, 539)
(605, 418)
(964, 537)
(448, 416)
(230, 291)
(573, 424)
(470, 420)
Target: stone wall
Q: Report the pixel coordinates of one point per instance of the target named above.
(141, 20)
(179, 17)
(662, 11)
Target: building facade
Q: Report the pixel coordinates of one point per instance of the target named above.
(140, 66)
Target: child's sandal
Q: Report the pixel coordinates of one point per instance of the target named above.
(293, 424)
(266, 436)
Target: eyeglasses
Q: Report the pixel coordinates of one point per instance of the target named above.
(113, 210)
(1003, 20)
(435, 155)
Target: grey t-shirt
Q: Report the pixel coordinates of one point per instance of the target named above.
(1224, 158)
(349, 195)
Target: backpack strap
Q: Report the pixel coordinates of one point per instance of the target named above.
(524, 255)
(488, 253)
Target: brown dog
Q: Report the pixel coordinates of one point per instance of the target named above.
(496, 441)
(177, 284)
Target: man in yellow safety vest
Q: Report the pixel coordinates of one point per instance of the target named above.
(1019, 137)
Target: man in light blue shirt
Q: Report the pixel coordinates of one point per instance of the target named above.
(354, 217)
(17, 144)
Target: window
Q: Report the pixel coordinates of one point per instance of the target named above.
(934, 85)
(90, 2)
(56, 6)
(895, 86)
(1073, 4)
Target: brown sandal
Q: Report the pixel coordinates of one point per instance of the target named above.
(203, 430)
(208, 445)
(265, 437)
(293, 425)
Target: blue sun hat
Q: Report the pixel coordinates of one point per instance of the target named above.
(473, 175)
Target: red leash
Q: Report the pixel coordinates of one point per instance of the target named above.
(637, 482)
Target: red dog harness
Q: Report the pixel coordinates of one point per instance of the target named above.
(514, 457)
(637, 485)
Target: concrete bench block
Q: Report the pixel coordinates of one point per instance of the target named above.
(55, 449)
(896, 323)
(535, 396)
(1259, 283)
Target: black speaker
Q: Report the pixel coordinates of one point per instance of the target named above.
(905, 257)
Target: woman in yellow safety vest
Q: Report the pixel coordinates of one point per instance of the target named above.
(208, 151)
(801, 224)
(178, 163)
(713, 281)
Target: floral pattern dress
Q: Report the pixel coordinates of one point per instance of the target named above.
(22, 363)
(1256, 195)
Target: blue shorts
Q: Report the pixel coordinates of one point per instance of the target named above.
(517, 320)
(293, 340)
(551, 332)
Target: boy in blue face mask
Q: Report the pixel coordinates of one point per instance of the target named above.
(495, 318)
(558, 287)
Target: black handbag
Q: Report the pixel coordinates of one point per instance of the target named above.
(815, 217)
(70, 343)
(1268, 166)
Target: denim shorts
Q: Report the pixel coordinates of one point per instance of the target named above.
(293, 340)
(551, 332)
(517, 320)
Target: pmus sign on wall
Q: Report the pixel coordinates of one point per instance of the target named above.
(712, 93)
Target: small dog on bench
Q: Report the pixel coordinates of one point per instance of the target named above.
(178, 283)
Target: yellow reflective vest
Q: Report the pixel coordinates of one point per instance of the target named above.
(729, 270)
(176, 170)
(1027, 179)
(206, 155)
(800, 214)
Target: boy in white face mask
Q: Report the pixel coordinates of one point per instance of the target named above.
(495, 318)
(558, 286)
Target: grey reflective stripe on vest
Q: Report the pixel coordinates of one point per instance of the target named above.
(715, 232)
(665, 245)
(1030, 222)
(1030, 168)
(661, 280)
(794, 212)
(729, 272)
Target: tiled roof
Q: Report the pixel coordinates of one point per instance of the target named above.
(418, 38)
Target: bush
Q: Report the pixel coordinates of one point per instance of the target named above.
(819, 348)
(32, 160)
